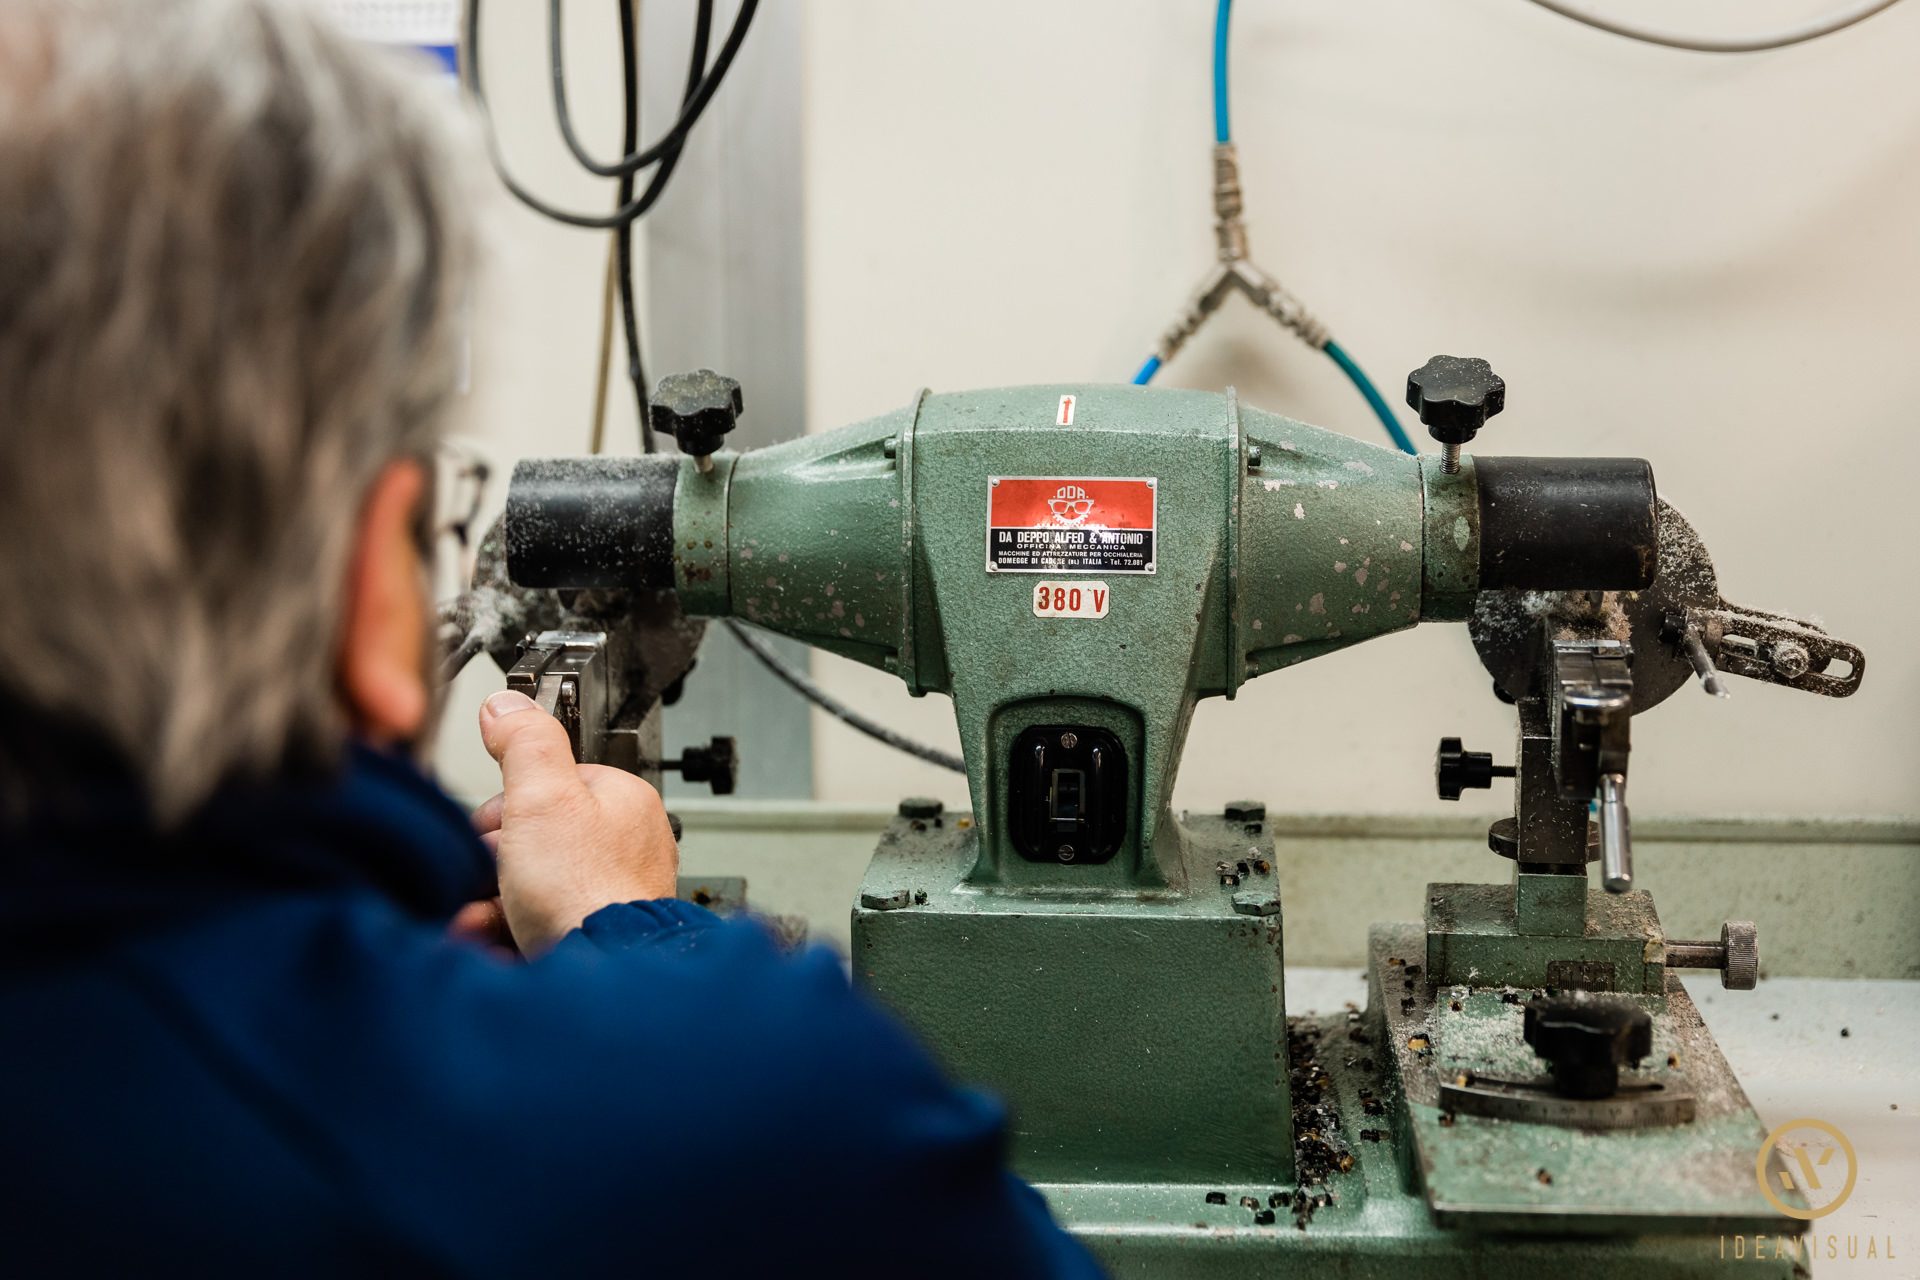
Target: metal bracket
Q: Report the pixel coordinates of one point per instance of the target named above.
(1777, 649)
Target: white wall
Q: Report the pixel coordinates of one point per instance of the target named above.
(1709, 262)
(537, 317)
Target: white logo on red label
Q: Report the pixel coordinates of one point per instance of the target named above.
(1070, 505)
(1070, 599)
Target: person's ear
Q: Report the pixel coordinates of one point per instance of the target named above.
(382, 661)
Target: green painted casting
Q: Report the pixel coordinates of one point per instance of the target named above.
(1474, 937)
(1276, 542)
(1492, 1174)
(1139, 1038)
(1131, 1010)
(1549, 904)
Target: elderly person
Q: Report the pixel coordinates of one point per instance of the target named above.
(238, 1036)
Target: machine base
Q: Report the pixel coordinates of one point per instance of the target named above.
(1137, 1036)
(1364, 1221)
(1181, 1125)
(1361, 1206)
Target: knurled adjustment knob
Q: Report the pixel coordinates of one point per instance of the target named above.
(1586, 1039)
(1740, 942)
(1455, 769)
(697, 409)
(1454, 396)
(717, 764)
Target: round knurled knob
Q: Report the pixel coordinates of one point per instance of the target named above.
(1740, 939)
(1454, 396)
(1586, 1039)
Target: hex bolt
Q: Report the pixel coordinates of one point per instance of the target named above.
(1791, 659)
(1253, 457)
(1736, 955)
(1245, 811)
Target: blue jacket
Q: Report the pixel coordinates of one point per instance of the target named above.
(250, 1049)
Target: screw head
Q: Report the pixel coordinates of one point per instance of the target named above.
(1069, 740)
(922, 807)
(1245, 811)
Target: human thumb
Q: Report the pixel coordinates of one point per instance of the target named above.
(531, 747)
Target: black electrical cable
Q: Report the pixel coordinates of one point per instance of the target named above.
(698, 95)
(623, 234)
(630, 125)
(700, 88)
(800, 683)
(628, 211)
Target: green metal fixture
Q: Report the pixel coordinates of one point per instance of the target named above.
(1077, 566)
(1272, 542)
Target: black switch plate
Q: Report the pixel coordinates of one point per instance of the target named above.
(1067, 795)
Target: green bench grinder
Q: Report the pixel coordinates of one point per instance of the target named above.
(1529, 1084)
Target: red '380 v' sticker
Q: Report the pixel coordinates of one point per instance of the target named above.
(1059, 524)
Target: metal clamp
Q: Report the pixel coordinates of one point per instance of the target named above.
(565, 673)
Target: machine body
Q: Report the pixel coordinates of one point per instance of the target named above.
(1078, 565)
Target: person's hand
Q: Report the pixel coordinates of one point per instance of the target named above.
(570, 838)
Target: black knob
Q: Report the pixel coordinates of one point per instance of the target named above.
(697, 409)
(1454, 396)
(717, 764)
(1456, 769)
(1586, 1039)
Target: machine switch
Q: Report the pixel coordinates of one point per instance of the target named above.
(1067, 799)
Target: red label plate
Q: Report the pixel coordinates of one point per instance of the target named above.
(1066, 524)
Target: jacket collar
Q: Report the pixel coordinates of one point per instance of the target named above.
(377, 824)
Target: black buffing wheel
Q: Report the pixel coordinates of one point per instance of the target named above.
(1510, 629)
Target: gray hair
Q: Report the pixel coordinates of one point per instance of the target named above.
(234, 255)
